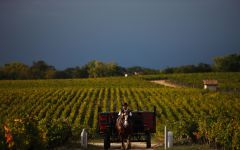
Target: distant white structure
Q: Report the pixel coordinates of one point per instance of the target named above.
(84, 139)
(170, 139)
(126, 75)
(210, 84)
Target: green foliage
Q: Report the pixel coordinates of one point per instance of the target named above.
(99, 69)
(15, 70)
(41, 70)
(77, 83)
(201, 67)
(184, 130)
(221, 127)
(29, 133)
(230, 63)
(141, 70)
(3, 144)
(25, 133)
(186, 111)
(77, 72)
(55, 132)
(226, 80)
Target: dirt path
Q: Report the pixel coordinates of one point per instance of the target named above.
(166, 83)
(97, 145)
(117, 146)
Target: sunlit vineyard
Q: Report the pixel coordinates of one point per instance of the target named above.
(214, 115)
(227, 80)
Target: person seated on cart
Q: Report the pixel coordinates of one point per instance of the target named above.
(125, 110)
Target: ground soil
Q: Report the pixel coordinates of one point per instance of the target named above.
(117, 146)
(166, 83)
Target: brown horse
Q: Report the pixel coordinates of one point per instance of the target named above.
(124, 129)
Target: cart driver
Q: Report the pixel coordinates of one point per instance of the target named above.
(125, 110)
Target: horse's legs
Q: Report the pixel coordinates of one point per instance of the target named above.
(128, 143)
(123, 145)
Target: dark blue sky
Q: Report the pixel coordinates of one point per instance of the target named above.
(149, 33)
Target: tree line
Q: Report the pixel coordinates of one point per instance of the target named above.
(42, 70)
(228, 63)
(93, 69)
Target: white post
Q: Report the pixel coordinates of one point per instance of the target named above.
(165, 137)
(84, 139)
(170, 139)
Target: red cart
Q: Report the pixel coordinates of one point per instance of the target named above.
(144, 124)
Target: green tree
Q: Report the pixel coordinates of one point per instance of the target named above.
(227, 63)
(77, 72)
(50, 74)
(2, 76)
(15, 70)
(95, 69)
(41, 70)
(99, 69)
(201, 67)
(142, 70)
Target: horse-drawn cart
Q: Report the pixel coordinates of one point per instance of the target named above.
(143, 125)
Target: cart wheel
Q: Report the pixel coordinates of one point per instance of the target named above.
(106, 141)
(148, 140)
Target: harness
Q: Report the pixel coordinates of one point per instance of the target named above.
(121, 119)
(125, 111)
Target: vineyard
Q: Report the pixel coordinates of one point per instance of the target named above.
(58, 109)
(227, 80)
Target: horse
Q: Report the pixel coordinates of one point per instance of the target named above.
(124, 129)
